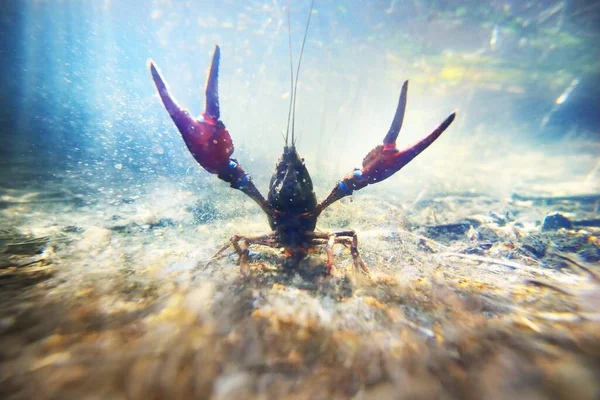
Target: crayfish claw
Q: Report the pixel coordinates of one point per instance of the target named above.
(181, 117)
(384, 160)
(408, 154)
(211, 105)
(207, 138)
(392, 135)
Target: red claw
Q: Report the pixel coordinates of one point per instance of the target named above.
(385, 160)
(207, 138)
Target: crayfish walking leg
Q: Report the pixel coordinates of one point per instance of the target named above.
(241, 244)
(347, 238)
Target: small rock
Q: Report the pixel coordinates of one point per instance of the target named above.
(555, 221)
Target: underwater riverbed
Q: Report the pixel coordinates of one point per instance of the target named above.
(473, 292)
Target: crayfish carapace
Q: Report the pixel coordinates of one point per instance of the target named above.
(291, 206)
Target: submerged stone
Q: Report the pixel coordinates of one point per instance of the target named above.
(555, 221)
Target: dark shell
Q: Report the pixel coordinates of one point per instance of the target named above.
(292, 199)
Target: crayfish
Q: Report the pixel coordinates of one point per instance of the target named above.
(291, 205)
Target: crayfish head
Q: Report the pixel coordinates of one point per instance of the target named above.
(291, 188)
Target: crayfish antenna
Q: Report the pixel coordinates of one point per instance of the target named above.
(295, 86)
(287, 131)
(298, 71)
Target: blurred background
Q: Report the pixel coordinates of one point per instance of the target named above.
(78, 101)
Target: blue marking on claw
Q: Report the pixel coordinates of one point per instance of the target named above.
(343, 188)
(358, 173)
(244, 181)
(232, 164)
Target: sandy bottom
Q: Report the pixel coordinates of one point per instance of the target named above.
(110, 296)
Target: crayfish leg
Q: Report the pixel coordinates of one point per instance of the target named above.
(329, 250)
(346, 238)
(241, 244)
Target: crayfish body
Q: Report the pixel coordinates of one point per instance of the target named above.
(292, 199)
(291, 205)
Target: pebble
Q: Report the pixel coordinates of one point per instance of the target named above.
(555, 221)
